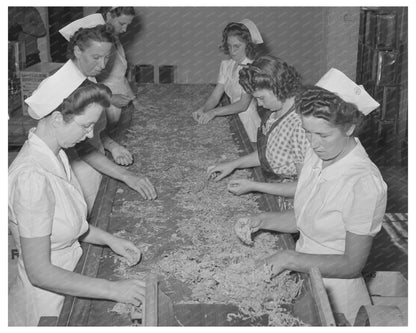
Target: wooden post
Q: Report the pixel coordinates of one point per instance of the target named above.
(150, 304)
(321, 298)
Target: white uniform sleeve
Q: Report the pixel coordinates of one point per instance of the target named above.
(33, 204)
(222, 76)
(365, 206)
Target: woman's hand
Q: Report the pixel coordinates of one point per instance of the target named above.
(142, 185)
(206, 117)
(277, 261)
(240, 186)
(120, 101)
(197, 114)
(126, 249)
(128, 291)
(121, 155)
(218, 172)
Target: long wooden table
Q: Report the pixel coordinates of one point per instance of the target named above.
(312, 307)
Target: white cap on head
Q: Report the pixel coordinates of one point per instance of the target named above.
(53, 90)
(254, 32)
(89, 21)
(337, 82)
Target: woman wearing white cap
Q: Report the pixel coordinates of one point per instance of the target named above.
(114, 74)
(240, 41)
(340, 197)
(89, 48)
(47, 210)
(281, 141)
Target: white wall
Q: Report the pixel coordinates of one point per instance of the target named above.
(313, 39)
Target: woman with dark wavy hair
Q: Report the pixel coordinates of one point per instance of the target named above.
(89, 49)
(240, 41)
(340, 197)
(47, 209)
(281, 141)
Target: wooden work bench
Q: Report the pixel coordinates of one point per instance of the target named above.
(312, 305)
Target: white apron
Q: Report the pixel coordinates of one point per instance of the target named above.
(88, 177)
(320, 197)
(250, 117)
(114, 77)
(26, 302)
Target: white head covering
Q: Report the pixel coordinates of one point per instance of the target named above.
(89, 21)
(254, 32)
(53, 90)
(337, 82)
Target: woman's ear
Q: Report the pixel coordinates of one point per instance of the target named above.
(77, 51)
(350, 130)
(57, 119)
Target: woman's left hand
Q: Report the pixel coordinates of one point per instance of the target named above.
(126, 249)
(277, 261)
(206, 117)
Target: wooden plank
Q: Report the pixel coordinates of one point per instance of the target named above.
(75, 311)
(150, 309)
(321, 298)
(48, 321)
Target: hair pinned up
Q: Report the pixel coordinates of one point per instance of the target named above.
(84, 36)
(272, 73)
(86, 94)
(321, 103)
(240, 31)
(117, 11)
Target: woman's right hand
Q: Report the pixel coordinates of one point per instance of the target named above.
(255, 222)
(240, 186)
(218, 172)
(197, 114)
(120, 101)
(129, 291)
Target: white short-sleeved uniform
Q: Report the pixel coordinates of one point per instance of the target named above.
(114, 76)
(349, 195)
(45, 199)
(88, 177)
(228, 77)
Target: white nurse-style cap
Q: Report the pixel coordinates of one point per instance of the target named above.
(53, 90)
(337, 82)
(89, 21)
(254, 32)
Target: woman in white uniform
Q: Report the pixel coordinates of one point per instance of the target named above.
(114, 74)
(47, 210)
(240, 41)
(340, 197)
(90, 45)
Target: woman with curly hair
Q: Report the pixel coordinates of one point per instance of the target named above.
(340, 197)
(89, 48)
(281, 141)
(240, 41)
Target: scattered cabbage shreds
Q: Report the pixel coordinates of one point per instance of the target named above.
(190, 228)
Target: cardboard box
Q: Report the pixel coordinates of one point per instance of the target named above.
(31, 77)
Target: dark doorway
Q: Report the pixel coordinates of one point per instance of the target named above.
(58, 18)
